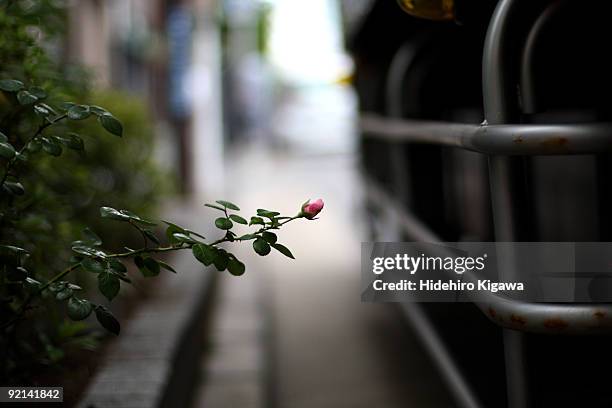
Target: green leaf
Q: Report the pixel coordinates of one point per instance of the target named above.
(221, 260)
(7, 150)
(111, 124)
(139, 262)
(57, 286)
(34, 145)
(216, 207)
(148, 266)
(170, 231)
(26, 98)
(238, 219)
(98, 110)
(47, 107)
(31, 284)
(38, 92)
(149, 234)
(204, 253)
(78, 112)
(152, 265)
(12, 255)
(190, 232)
(137, 219)
(91, 237)
(107, 320)
(72, 141)
(247, 237)
(173, 229)
(261, 246)
(78, 309)
(13, 249)
(108, 284)
(223, 223)
(180, 237)
(124, 278)
(91, 265)
(14, 188)
(235, 267)
(178, 227)
(11, 85)
(64, 294)
(108, 212)
(141, 221)
(283, 250)
(41, 110)
(166, 266)
(67, 105)
(256, 220)
(267, 213)
(117, 266)
(89, 251)
(270, 237)
(3, 138)
(229, 205)
(51, 146)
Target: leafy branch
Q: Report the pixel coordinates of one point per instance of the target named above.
(111, 271)
(33, 98)
(88, 253)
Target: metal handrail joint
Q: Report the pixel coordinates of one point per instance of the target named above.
(520, 139)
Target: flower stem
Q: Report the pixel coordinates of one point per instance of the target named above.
(11, 163)
(129, 254)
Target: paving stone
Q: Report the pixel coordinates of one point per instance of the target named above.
(138, 368)
(234, 335)
(240, 393)
(233, 369)
(235, 357)
(126, 400)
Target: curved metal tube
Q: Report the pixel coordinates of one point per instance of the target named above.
(527, 80)
(549, 318)
(504, 140)
(545, 318)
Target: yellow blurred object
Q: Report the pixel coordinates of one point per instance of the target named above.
(345, 79)
(429, 9)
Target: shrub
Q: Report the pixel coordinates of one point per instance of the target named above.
(50, 187)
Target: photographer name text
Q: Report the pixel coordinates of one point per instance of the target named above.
(431, 285)
(458, 265)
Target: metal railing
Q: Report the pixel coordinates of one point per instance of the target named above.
(505, 142)
(502, 140)
(545, 318)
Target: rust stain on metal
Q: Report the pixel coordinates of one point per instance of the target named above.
(518, 139)
(518, 319)
(555, 323)
(494, 315)
(599, 314)
(555, 142)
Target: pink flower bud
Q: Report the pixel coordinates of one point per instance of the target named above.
(310, 209)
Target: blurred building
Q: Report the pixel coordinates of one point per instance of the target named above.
(144, 47)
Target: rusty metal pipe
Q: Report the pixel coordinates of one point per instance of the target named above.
(545, 318)
(505, 140)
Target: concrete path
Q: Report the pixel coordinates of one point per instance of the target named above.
(329, 349)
